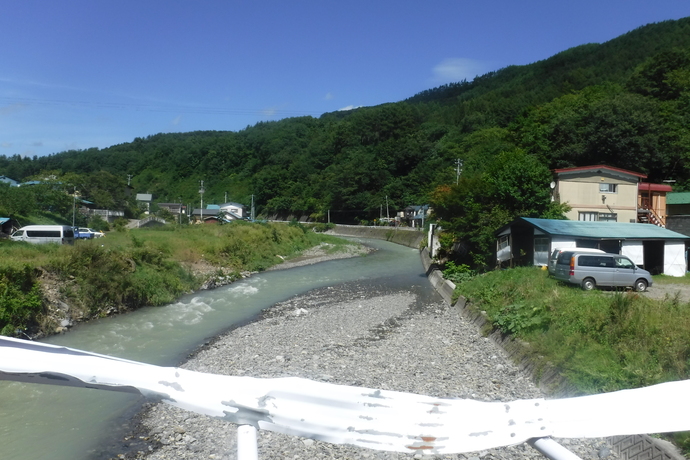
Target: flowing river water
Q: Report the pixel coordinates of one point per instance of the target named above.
(46, 422)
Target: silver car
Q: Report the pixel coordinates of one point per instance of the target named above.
(592, 270)
(556, 252)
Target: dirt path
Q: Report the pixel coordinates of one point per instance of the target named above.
(660, 291)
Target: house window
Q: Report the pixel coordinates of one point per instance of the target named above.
(541, 244)
(608, 217)
(502, 242)
(588, 216)
(608, 188)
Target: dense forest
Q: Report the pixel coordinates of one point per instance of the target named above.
(624, 103)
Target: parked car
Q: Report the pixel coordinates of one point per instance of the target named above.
(40, 234)
(556, 252)
(96, 233)
(591, 270)
(82, 233)
(87, 233)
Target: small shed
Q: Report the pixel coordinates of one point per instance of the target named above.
(8, 225)
(529, 241)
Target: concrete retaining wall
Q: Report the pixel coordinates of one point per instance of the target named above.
(405, 236)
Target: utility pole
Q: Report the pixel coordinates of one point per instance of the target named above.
(458, 170)
(226, 198)
(74, 206)
(387, 215)
(201, 192)
(129, 180)
(252, 210)
(179, 215)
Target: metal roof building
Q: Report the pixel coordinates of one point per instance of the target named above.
(529, 241)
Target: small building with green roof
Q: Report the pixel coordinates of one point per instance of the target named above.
(529, 241)
(678, 203)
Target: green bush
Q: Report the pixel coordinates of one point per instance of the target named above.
(323, 227)
(20, 299)
(458, 273)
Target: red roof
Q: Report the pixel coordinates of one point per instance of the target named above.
(596, 167)
(646, 186)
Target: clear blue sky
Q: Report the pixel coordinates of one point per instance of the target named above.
(80, 74)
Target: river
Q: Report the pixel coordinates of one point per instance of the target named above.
(54, 423)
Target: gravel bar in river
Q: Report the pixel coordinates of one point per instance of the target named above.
(351, 335)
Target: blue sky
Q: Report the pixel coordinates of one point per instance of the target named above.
(80, 74)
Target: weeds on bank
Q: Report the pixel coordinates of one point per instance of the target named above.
(602, 341)
(138, 267)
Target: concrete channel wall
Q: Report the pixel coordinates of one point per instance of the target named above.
(406, 236)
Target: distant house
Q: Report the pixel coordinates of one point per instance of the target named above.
(415, 215)
(7, 180)
(226, 212)
(207, 216)
(174, 208)
(528, 241)
(678, 212)
(144, 200)
(232, 210)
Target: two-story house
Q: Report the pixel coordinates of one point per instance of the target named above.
(607, 194)
(598, 193)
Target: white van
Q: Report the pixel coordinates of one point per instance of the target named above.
(40, 234)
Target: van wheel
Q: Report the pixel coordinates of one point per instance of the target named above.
(588, 284)
(640, 285)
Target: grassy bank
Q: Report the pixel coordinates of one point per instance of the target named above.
(600, 340)
(42, 286)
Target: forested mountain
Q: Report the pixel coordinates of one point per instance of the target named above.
(624, 103)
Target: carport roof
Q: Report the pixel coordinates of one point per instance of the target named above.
(602, 230)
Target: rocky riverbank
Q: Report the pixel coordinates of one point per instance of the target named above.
(355, 334)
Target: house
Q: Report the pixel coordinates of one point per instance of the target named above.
(651, 203)
(215, 213)
(233, 211)
(678, 204)
(529, 241)
(678, 212)
(606, 194)
(598, 193)
(174, 208)
(144, 201)
(415, 215)
(207, 216)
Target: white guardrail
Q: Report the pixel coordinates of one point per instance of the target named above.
(375, 419)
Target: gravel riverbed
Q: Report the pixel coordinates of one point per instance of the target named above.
(351, 334)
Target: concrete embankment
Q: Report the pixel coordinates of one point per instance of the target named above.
(405, 236)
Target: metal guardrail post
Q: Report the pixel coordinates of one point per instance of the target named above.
(246, 443)
(551, 449)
